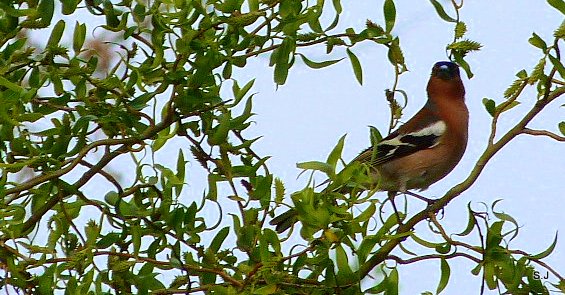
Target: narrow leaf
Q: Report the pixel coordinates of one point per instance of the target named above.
(337, 6)
(219, 239)
(546, 252)
(317, 166)
(390, 15)
(470, 223)
(79, 36)
(558, 65)
(441, 12)
(357, 70)
(445, 273)
(336, 153)
(342, 262)
(318, 65)
(557, 4)
(503, 107)
(56, 34)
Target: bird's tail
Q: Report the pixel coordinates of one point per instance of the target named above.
(284, 221)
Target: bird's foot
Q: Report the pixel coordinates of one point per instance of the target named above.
(427, 200)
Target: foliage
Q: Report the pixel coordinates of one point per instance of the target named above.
(62, 105)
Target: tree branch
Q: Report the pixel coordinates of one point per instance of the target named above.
(543, 133)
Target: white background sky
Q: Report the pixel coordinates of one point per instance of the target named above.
(303, 120)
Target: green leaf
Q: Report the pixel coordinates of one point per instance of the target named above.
(239, 93)
(181, 172)
(477, 269)
(505, 217)
(108, 240)
(557, 4)
(443, 248)
(522, 74)
(220, 132)
(538, 42)
(112, 20)
(490, 106)
(392, 287)
(391, 221)
(460, 29)
(56, 34)
(368, 213)
(395, 55)
(282, 59)
(357, 70)
(537, 72)
(558, 65)
(441, 12)
(561, 126)
(514, 87)
(136, 235)
(10, 85)
(79, 36)
(265, 290)
(494, 235)
(69, 6)
(503, 107)
(425, 243)
(390, 15)
(46, 9)
(162, 138)
(465, 46)
(366, 247)
(337, 6)
(546, 252)
(461, 62)
(219, 239)
(112, 198)
(335, 154)
(316, 166)
(344, 270)
(253, 5)
(318, 65)
(470, 223)
(281, 73)
(445, 273)
(560, 31)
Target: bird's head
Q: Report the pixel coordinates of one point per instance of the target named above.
(445, 70)
(445, 82)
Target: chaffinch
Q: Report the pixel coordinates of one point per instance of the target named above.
(423, 150)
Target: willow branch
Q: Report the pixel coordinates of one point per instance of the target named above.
(432, 256)
(543, 133)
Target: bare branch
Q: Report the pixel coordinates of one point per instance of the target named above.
(543, 133)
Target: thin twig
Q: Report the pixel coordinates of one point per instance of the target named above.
(432, 256)
(543, 133)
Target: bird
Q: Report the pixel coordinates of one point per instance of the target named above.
(423, 150)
